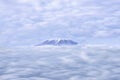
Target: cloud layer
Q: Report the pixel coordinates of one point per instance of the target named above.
(60, 63)
(26, 22)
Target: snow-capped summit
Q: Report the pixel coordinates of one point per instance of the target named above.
(58, 42)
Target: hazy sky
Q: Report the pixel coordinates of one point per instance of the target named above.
(28, 22)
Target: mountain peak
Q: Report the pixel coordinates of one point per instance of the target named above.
(58, 42)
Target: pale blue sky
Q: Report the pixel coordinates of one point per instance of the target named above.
(28, 22)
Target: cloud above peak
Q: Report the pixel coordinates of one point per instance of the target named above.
(61, 18)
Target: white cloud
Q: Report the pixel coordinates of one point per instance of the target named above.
(67, 18)
(107, 33)
(26, 1)
(67, 60)
(67, 63)
(103, 34)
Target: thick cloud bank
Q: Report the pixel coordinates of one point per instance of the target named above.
(60, 63)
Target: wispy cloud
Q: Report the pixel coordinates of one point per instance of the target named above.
(58, 18)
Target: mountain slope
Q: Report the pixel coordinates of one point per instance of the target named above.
(58, 42)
